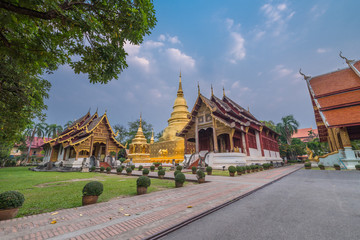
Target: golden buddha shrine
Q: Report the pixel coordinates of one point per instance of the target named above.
(139, 147)
(171, 146)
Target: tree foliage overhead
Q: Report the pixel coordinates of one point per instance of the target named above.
(47, 33)
(37, 36)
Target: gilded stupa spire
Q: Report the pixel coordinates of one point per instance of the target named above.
(139, 137)
(224, 91)
(180, 92)
(152, 137)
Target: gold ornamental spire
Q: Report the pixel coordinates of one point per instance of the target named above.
(140, 125)
(180, 92)
(152, 137)
(212, 90)
(224, 91)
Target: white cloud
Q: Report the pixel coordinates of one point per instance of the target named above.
(153, 44)
(259, 35)
(171, 39)
(180, 58)
(281, 71)
(131, 49)
(322, 50)
(237, 51)
(317, 11)
(239, 89)
(277, 16)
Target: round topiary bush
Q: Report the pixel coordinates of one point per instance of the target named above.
(94, 188)
(92, 169)
(160, 167)
(128, 170)
(102, 169)
(200, 174)
(238, 168)
(357, 166)
(141, 167)
(152, 167)
(11, 199)
(176, 172)
(193, 169)
(336, 165)
(232, 169)
(179, 168)
(132, 167)
(145, 171)
(108, 169)
(161, 172)
(208, 169)
(180, 178)
(122, 160)
(119, 169)
(307, 165)
(143, 181)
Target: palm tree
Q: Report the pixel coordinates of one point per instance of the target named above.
(53, 130)
(287, 127)
(68, 124)
(37, 129)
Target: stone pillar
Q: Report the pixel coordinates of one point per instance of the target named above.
(243, 145)
(196, 136)
(231, 135)
(216, 147)
(258, 146)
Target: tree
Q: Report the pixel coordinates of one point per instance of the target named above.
(287, 127)
(68, 124)
(53, 130)
(36, 37)
(270, 124)
(158, 136)
(37, 129)
(47, 33)
(122, 133)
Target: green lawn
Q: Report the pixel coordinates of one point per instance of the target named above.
(50, 191)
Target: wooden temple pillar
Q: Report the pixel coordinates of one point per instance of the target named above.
(91, 146)
(247, 141)
(261, 142)
(231, 135)
(344, 137)
(196, 136)
(216, 147)
(107, 147)
(185, 144)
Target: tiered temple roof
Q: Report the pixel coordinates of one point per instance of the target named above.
(226, 111)
(336, 98)
(82, 129)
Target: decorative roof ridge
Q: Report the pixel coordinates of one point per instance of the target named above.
(223, 104)
(237, 106)
(338, 70)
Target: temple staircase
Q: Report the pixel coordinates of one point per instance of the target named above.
(104, 164)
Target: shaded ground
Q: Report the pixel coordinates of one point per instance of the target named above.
(304, 205)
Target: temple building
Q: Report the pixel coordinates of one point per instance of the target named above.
(171, 147)
(335, 97)
(226, 134)
(139, 149)
(89, 141)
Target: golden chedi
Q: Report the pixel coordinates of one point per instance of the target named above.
(139, 150)
(170, 146)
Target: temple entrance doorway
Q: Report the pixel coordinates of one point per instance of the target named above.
(224, 142)
(99, 151)
(206, 142)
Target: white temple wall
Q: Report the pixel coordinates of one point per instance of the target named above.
(61, 153)
(254, 152)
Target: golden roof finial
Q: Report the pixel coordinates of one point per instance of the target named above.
(180, 92)
(152, 137)
(248, 109)
(140, 125)
(212, 90)
(198, 89)
(223, 91)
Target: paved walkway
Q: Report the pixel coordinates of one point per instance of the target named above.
(141, 216)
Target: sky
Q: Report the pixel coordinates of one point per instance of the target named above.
(254, 49)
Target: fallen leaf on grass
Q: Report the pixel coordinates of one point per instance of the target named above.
(189, 206)
(53, 222)
(126, 214)
(54, 213)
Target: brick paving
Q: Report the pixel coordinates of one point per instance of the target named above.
(141, 216)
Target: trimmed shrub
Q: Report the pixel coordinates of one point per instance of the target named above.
(239, 168)
(161, 172)
(180, 177)
(94, 188)
(143, 181)
(336, 165)
(160, 167)
(176, 172)
(145, 171)
(122, 160)
(141, 167)
(132, 167)
(357, 166)
(11, 199)
(102, 169)
(128, 170)
(232, 169)
(200, 174)
(208, 169)
(108, 169)
(179, 168)
(119, 169)
(307, 165)
(152, 168)
(193, 169)
(92, 169)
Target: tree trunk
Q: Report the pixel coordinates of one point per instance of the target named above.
(29, 149)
